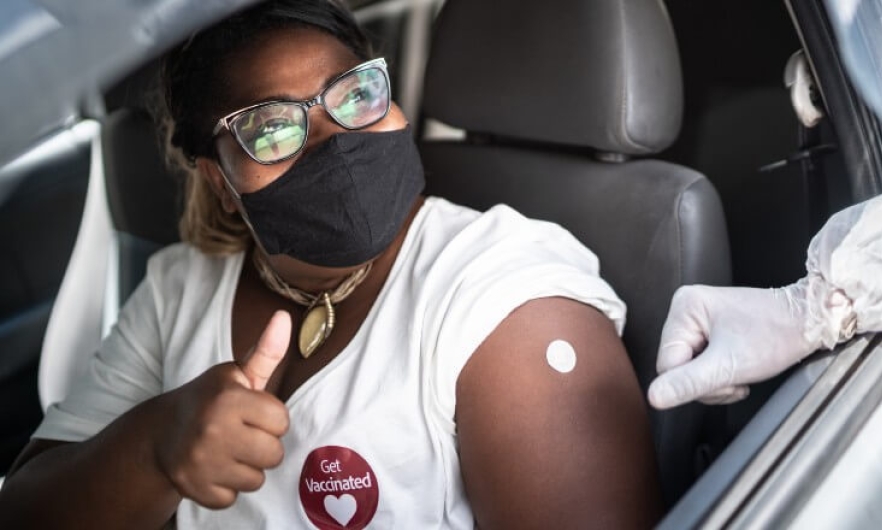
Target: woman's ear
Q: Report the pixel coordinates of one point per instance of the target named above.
(211, 171)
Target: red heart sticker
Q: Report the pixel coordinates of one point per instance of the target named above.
(338, 489)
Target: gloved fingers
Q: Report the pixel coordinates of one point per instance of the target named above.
(704, 375)
(725, 396)
(686, 330)
(673, 353)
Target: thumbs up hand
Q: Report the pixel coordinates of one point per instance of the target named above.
(224, 430)
(262, 360)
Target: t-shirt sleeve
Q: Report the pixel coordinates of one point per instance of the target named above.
(510, 261)
(125, 371)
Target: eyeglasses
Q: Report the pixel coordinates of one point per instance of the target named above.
(274, 131)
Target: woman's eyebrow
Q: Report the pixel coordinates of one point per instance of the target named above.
(283, 96)
(280, 96)
(270, 98)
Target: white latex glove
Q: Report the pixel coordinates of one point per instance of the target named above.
(717, 340)
(743, 335)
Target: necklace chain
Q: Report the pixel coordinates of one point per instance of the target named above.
(276, 284)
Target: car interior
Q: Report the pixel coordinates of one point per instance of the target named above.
(661, 134)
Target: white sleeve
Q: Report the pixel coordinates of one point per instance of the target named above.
(125, 371)
(533, 259)
(844, 264)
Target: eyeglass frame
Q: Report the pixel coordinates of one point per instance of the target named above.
(224, 123)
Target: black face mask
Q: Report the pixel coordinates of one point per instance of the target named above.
(343, 203)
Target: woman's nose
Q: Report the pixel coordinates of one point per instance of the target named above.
(321, 127)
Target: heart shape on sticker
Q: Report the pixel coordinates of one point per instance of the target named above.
(342, 508)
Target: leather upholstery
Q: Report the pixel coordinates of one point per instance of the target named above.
(143, 196)
(653, 224)
(505, 75)
(600, 73)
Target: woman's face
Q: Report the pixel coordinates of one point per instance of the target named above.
(291, 64)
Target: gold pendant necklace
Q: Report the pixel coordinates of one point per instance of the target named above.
(317, 325)
(319, 317)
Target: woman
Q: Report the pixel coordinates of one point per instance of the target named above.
(330, 349)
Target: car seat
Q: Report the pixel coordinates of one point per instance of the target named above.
(132, 210)
(562, 102)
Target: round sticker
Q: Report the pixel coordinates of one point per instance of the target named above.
(561, 356)
(338, 489)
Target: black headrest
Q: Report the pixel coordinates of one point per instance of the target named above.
(598, 73)
(144, 197)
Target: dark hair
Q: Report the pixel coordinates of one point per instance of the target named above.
(191, 78)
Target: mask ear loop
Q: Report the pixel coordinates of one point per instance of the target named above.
(227, 181)
(238, 197)
(244, 214)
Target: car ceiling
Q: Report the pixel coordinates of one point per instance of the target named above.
(56, 55)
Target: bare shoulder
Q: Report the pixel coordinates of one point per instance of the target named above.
(552, 424)
(35, 447)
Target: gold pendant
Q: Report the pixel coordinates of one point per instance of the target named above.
(317, 325)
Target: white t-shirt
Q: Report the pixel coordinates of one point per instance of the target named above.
(372, 441)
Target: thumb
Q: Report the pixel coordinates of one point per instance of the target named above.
(676, 353)
(699, 377)
(259, 365)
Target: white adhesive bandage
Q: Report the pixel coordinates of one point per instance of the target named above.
(561, 356)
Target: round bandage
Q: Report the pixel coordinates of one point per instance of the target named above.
(561, 356)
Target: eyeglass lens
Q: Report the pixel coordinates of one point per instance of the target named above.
(278, 130)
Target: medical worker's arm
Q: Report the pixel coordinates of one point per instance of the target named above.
(560, 439)
(718, 340)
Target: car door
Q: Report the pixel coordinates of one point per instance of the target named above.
(41, 201)
(806, 458)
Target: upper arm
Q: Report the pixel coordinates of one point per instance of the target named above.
(31, 450)
(540, 448)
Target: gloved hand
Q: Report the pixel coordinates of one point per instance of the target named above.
(717, 340)
(740, 335)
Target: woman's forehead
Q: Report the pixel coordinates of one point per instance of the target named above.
(291, 63)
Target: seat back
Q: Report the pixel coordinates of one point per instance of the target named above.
(143, 196)
(562, 102)
(132, 210)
